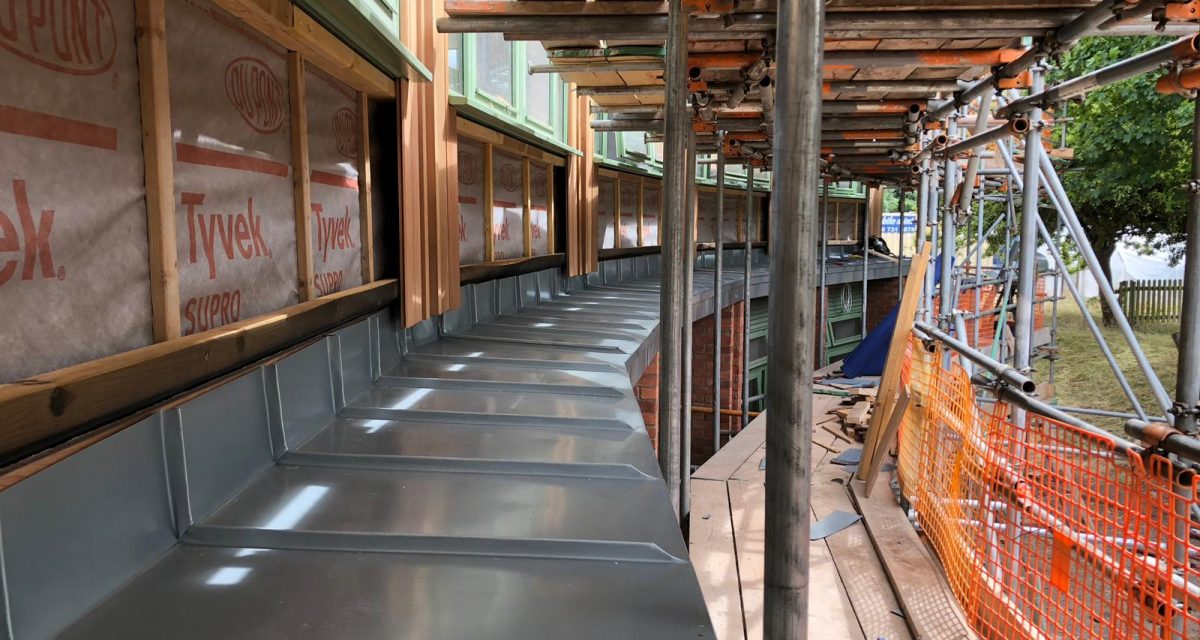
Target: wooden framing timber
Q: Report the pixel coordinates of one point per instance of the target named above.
(526, 208)
(480, 133)
(297, 31)
(366, 220)
(157, 149)
(876, 442)
(53, 407)
(301, 187)
(493, 141)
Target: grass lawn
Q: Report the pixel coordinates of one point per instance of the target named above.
(1082, 376)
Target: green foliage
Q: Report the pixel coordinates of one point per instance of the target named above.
(1132, 149)
(891, 200)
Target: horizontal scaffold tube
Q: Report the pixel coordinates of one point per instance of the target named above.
(1165, 437)
(872, 106)
(888, 86)
(1021, 399)
(627, 26)
(1187, 48)
(1002, 371)
(1016, 126)
(1059, 40)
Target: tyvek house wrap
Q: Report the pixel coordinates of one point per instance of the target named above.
(74, 275)
(539, 213)
(235, 221)
(508, 207)
(651, 207)
(470, 201)
(333, 150)
(629, 207)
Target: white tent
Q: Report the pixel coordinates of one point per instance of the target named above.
(1128, 263)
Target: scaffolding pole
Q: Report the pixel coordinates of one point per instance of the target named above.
(1067, 214)
(922, 221)
(796, 165)
(1027, 258)
(866, 240)
(1187, 388)
(823, 303)
(931, 219)
(717, 302)
(685, 392)
(746, 255)
(946, 311)
(673, 251)
(900, 251)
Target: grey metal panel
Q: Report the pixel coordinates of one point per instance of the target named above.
(457, 350)
(356, 358)
(577, 323)
(484, 296)
(462, 318)
(390, 351)
(225, 441)
(306, 392)
(520, 443)
(203, 593)
(593, 340)
(461, 505)
(508, 296)
(423, 332)
(568, 303)
(581, 382)
(547, 280)
(528, 285)
(275, 429)
(613, 320)
(610, 269)
(383, 402)
(79, 529)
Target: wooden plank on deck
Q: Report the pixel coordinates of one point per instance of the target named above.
(861, 571)
(831, 615)
(714, 557)
(929, 606)
(731, 456)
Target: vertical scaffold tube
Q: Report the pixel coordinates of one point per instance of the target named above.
(1187, 388)
(949, 236)
(746, 254)
(675, 130)
(983, 114)
(1067, 214)
(922, 223)
(822, 257)
(900, 252)
(931, 219)
(866, 240)
(1027, 257)
(717, 275)
(796, 165)
(685, 391)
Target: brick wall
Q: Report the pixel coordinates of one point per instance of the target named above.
(882, 295)
(732, 344)
(646, 391)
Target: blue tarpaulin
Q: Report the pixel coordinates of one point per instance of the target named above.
(869, 356)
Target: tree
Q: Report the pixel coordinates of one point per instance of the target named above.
(891, 200)
(1132, 152)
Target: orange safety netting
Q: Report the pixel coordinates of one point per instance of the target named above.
(989, 298)
(1046, 530)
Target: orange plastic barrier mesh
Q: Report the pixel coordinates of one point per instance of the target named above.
(989, 298)
(1044, 530)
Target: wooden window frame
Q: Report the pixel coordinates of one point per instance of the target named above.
(492, 141)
